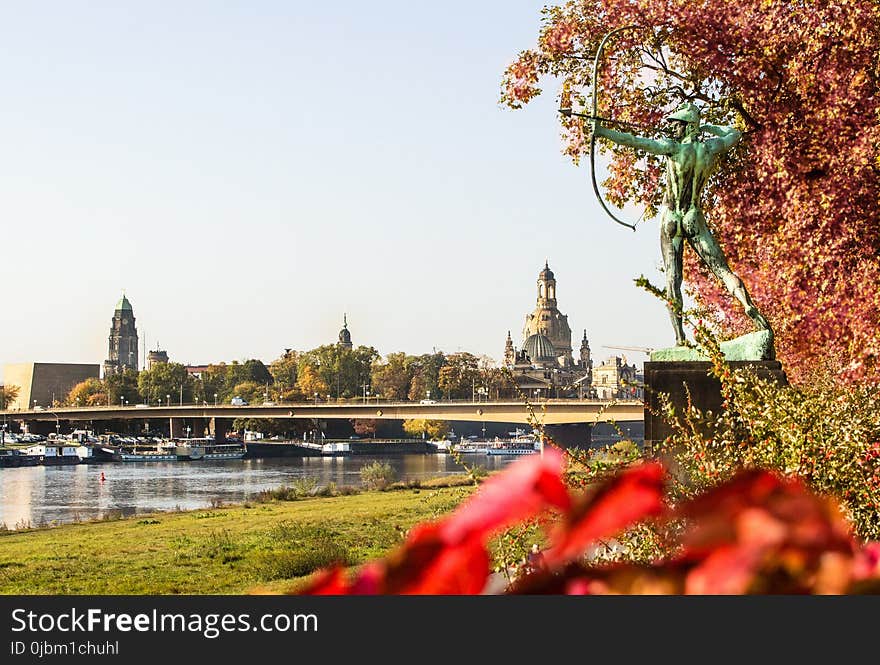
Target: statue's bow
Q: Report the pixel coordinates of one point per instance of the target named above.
(595, 115)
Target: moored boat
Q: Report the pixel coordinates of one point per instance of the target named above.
(97, 454)
(53, 455)
(13, 457)
(520, 444)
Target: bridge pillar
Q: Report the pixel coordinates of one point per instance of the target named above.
(217, 427)
(571, 435)
(199, 427)
(175, 427)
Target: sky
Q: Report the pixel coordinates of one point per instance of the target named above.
(247, 172)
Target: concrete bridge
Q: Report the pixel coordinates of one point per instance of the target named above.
(569, 421)
(548, 412)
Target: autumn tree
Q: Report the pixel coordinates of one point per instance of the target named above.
(251, 391)
(283, 370)
(431, 429)
(392, 379)
(166, 379)
(8, 394)
(310, 382)
(426, 375)
(794, 205)
(343, 371)
(123, 386)
(365, 426)
(460, 375)
(91, 392)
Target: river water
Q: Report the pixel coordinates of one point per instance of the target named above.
(42, 495)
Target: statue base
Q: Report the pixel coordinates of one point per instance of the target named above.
(678, 379)
(755, 346)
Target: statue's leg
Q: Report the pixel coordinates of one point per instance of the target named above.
(708, 249)
(672, 246)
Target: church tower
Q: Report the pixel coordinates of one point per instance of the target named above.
(548, 321)
(344, 335)
(586, 363)
(123, 351)
(509, 352)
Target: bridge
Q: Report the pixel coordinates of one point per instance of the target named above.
(548, 412)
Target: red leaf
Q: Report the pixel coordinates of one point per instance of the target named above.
(521, 491)
(428, 563)
(329, 582)
(633, 495)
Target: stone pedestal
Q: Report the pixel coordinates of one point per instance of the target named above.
(676, 379)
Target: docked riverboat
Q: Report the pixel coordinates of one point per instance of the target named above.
(13, 457)
(53, 455)
(186, 450)
(97, 454)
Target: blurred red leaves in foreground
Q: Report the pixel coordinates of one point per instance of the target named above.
(758, 533)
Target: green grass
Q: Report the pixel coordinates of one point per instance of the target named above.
(255, 547)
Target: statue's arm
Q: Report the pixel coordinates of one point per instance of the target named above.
(661, 147)
(727, 137)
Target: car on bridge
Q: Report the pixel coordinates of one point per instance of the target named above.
(428, 401)
(238, 401)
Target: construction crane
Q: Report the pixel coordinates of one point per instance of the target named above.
(644, 349)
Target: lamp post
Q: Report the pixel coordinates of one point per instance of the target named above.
(215, 399)
(316, 398)
(167, 400)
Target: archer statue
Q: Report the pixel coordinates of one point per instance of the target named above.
(690, 160)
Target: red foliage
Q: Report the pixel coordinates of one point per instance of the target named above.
(615, 505)
(757, 533)
(796, 206)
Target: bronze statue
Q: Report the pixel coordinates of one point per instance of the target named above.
(690, 160)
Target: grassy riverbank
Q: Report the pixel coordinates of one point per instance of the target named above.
(253, 547)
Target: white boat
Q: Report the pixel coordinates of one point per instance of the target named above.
(520, 444)
(508, 448)
(184, 450)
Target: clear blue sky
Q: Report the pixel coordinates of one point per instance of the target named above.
(249, 171)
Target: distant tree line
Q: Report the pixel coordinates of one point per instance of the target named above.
(329, 372)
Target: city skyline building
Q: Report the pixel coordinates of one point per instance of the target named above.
(123, 341)
(545, 366)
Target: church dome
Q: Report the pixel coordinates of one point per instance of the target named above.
(546, 273)
(344, 335)
(539, 349)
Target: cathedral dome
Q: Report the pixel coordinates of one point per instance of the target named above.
(539, 349)
(546, 273)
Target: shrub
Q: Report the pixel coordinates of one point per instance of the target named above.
(296, 563)
(377, 476)
(300, 549)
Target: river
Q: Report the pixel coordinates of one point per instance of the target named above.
(45, 495)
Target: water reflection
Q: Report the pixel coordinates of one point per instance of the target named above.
(41, 495)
